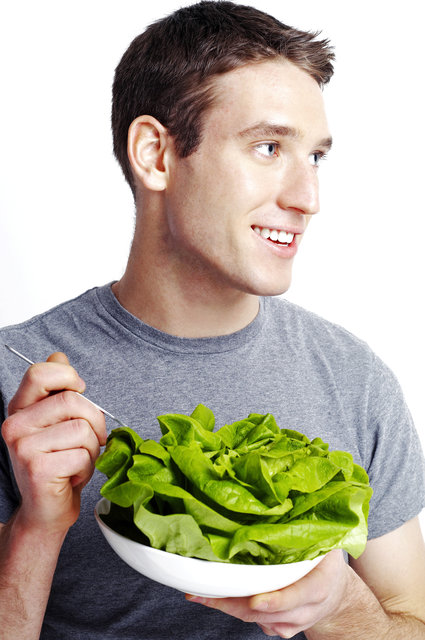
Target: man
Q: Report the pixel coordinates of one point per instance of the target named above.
(219, 126)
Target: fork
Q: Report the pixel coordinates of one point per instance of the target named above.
(14, 351)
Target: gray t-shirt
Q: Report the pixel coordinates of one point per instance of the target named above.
(311, 375)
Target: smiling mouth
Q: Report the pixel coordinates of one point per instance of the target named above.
(275, 235)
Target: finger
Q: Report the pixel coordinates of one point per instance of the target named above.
(283, 630)
(58, 356)
(73, 434)
(86, 469)
(267, 630)
(302, 617)
(54, 409)
(51, 489)
(41, 379)
(237, 607)
(311, 589)
(52, 469)
(282, 623)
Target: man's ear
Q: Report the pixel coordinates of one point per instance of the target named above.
(147, 145)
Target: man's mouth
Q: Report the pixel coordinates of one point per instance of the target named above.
(275, 235)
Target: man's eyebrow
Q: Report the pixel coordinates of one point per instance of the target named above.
(264, 129)
(268, 129)
(327, 143)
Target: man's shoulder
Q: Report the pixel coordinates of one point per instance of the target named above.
(49, 328)
(59, 311)
(313, 332)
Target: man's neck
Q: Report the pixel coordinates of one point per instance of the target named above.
(173, 291)
(190, 316)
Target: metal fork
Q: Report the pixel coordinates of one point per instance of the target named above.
(12, 350)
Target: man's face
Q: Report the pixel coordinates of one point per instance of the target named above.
(236, 209)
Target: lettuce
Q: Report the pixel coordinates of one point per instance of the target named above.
(249, 493)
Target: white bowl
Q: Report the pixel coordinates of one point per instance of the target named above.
(201, 577)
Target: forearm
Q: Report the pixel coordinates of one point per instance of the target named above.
(27, 564)
(361, 617)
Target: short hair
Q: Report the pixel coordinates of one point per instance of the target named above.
(168, 71)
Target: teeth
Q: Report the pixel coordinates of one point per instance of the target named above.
(284, 237)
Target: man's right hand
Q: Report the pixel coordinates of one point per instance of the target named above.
(54, 437)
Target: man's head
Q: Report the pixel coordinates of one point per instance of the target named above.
(168, 71)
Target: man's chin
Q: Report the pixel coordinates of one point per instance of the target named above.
(273, 289)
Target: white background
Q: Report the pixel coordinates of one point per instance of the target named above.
(67, 216)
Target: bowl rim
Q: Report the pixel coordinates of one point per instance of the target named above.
(161, 553)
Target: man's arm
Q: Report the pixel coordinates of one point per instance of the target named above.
(393, 567)
(53, 442)
(27, 564)
(381, 597)
(387, 589)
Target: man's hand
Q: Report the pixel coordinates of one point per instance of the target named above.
(320, 594)
(54, 437)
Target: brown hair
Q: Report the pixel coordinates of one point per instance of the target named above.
(167, 71)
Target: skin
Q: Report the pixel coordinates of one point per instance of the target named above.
(53, 442)
(52, 464)
(381, 595)
(202, 250)
(199, 246)
(194, 247)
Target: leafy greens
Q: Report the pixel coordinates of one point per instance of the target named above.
(249, 493)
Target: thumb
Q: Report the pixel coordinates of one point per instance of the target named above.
(58, 356)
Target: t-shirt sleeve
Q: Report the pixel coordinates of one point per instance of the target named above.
(396, 462)
(9, 499)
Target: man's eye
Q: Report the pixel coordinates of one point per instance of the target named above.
(316, 158)
(267, 149)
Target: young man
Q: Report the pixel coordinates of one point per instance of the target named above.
(219, 126)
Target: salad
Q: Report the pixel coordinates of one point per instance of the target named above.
(250, 492)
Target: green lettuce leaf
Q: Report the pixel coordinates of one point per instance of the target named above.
(250, 492)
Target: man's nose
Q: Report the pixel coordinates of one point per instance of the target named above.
(300, 189)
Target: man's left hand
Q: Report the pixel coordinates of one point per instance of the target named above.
(321, 594)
